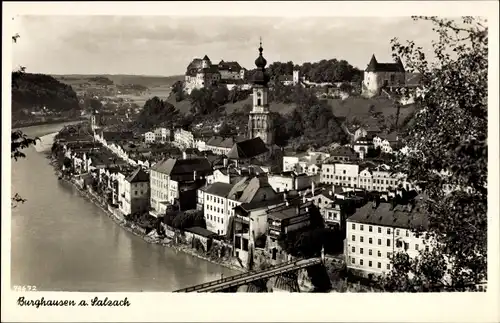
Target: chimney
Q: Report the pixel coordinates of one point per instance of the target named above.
(184, 155)
(225, 162)
(375, 202)
(194, 175)
(284, 196)
(312, 188)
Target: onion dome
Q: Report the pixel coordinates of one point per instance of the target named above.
(260, 76)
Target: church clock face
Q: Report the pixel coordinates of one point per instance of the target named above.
(259, 94)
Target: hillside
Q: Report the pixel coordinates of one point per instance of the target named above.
(119, 79)
(32, 91)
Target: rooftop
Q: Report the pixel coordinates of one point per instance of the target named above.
(248, 149)
(183, 166)
(398, 217)
(219, 189)
(139, 175)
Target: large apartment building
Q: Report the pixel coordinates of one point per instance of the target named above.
(378, 230)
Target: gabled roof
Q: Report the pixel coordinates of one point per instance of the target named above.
(343, 151)
(248, 149)
(183, 166)
(219, 189)
(399, 217)
(205, 58)
(139, 175)
(374, 66)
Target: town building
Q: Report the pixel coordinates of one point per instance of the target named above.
(309, 163)
(378, 230)
(177, 180)
(135, 196)
(161, 134)
(286, 181)
(387, 142)
(220, 199)
(149, 137)
(184, 138)
(245, 152)
(382, 75)
(260, 121)
(362, 145)
(368, 132)
(220, 145)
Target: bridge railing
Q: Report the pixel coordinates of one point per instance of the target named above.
(239, 276)
(230, 278)
(265, 274)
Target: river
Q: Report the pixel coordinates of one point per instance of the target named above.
(61, 242)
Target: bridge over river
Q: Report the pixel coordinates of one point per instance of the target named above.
(232, 282)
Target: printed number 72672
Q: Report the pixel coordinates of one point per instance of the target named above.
(24, 288)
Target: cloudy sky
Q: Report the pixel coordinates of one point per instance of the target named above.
(164, 45)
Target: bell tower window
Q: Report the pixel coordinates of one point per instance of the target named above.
(259, 102)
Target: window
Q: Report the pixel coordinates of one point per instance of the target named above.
(361, 239)
(399, 244)
(426, 248)
(369, 263)
(370, 240)
(370, 252)
(379, 230)
(416, 246)
(388, 266)
(361, 250)
(361, 262)
(379, 242)
(407, 233)
(135, 192)
(353, 237)
(388, 242)
(388, 255)
(361, 227)
(388, 231)
(379, 265)
(370, 228)
(344, 173)
(353, 260)
(379, 253)
(353, 249)
(397, 232)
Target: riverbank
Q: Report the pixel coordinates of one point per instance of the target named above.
(18, 124)
(151, 237)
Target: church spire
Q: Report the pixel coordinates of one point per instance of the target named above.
(260, 75)
(372, 66)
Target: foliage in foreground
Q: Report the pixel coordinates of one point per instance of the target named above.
(448, 146)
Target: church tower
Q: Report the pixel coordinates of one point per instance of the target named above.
(260, 122)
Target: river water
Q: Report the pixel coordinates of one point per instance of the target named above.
(61, 242)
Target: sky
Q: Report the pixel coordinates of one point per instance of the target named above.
(165, 45)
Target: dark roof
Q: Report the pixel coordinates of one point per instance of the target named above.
(260, 204)
(219, 189)
(139, 175)
(217, 141)
(117, 136)
(183, 166)
(399, 217)
(248, 149)
(230, 66)
(287, 212)
(374, 66)
(201, 231)
(343, 151)
(205, 58)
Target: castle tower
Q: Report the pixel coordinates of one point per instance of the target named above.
(296, 77)
(260, 123)
(206, 62)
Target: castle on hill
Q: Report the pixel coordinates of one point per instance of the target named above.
(201, 73)
(379, 76)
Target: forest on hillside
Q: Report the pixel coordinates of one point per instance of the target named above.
(33, 91)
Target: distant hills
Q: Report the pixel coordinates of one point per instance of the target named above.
(123, 79)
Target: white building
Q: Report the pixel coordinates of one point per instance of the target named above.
(167, 176)
(184, 138)
(287, 181)
(347, 175)
(220, 199)
(309, 163)
(135, 196)
(149, 137)
(376, 231)
(161, 134)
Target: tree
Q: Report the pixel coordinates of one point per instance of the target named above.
(447, 141)
(19, 140)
